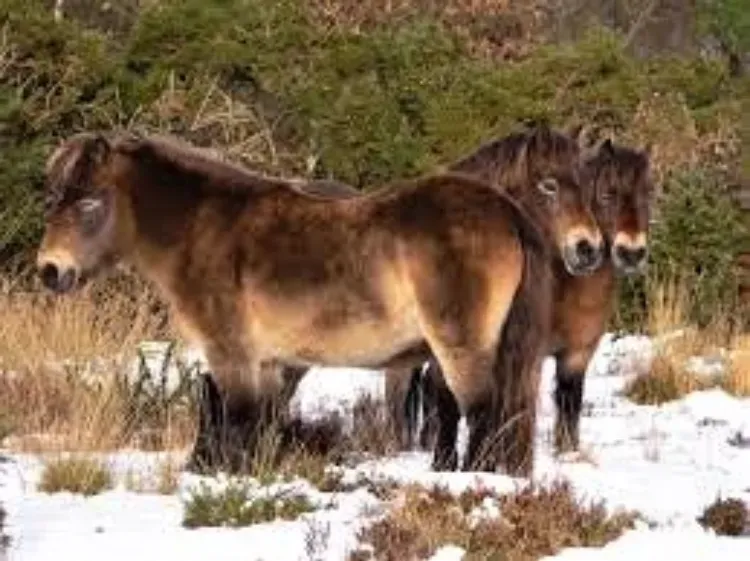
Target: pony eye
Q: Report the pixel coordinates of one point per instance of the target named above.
(548, 186)
(90, 210)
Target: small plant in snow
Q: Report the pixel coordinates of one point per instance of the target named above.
(235, 506)
(75, 475)
(726, 517)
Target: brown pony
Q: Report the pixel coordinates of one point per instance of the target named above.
(513, 163)
(260, 274)
(622, 184)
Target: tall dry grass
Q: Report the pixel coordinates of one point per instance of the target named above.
(678, 343)
(63, 360)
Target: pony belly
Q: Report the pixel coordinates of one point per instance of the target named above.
(306, 340)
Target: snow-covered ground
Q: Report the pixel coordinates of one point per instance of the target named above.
(667, 462)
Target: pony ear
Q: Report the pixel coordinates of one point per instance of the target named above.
(648, 150)
(99, 149)
(606, 147)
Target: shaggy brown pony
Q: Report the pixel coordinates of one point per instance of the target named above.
(511, 163)
(260, 274)
(623, 187)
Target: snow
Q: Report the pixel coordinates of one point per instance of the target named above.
(667, 462)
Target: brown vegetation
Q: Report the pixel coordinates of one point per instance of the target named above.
(521, 526)
(727, 517)
(64, 366)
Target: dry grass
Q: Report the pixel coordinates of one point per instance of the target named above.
(670, 377)
(522, 526)
(75, 475)
(163, 481)
(727, 517)
(62, 364)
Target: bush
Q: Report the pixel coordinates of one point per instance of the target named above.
(84, 476)
(529, 524)
(726, 517)
(285, 92)
(235, 507)
(696, 239)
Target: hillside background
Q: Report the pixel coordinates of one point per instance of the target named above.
(369, 91)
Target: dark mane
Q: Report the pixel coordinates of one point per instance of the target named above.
(613, 165)
(215, 175)
(69, 168)
(521, 158)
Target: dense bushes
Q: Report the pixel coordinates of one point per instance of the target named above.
(276, 85)
(695, 240)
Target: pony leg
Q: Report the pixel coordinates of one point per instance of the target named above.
(205, 455)
(469, 379)
(248, 406)
(401, 393)
(570, 373)
(442, 416)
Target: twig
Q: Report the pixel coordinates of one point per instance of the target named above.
(643, 18)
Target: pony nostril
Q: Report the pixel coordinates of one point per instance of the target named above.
(639, 255)
(585, 251)
(49, 275)
(631, 257)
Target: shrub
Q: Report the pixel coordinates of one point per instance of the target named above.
(726, 517)
(234, 506)
(282, 90)
(696, 240)
(525, 525)
(75, 475)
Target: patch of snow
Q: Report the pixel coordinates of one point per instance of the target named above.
(668, 462)
(449, 553)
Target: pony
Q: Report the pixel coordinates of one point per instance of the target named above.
(620, 178)
(582, 300)
(261, 275)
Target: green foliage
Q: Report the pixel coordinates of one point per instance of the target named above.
(235, 507)
(727, 20)
(270, 83)
(696, 239)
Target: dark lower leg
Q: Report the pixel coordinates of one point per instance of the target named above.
(432, 384)
(569, 401)
(206, 450)
(444, 409)
(482, 451)
(402, 387)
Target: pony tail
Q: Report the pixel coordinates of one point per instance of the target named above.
(523, 341)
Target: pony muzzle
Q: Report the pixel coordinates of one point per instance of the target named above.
(57, 276)
(629, 253)
(583, 255)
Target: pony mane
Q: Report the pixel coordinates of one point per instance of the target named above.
(218, 174)
(621, 167)
(71, 164)
(522, 157)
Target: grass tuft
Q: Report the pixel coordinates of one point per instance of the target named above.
(726, 517)
(235, 507)
(526, 525)
(75, 475)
